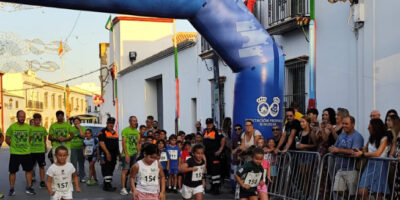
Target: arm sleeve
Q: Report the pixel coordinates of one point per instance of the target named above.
(101, 137)
(50, 171)
(9, 132)
(51, 130)
(242, 170)
(358, 142)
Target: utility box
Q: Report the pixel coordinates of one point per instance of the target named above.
(358, 11)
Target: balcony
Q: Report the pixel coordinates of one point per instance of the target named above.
(282, 15)
(34, 105)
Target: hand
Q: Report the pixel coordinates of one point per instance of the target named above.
(299, 146)
(333, 149)
(61, 139)
(135, 194)
(108, 156)
(194, 168)
(269, 179)
(357, 153)
(261, 183)
(265, 149)
(276, 151)
(217, 153)
(51, 192)
(78, 189)
(246, 186)
(284, 151)
(127, 159)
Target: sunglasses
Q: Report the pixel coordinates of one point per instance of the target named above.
(275, 129)
(289, 115)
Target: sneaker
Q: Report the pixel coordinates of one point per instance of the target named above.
(1, 196)
(123, 192)
(30, 190)
(42, 184)
(12, 192)
(95, 182)
(175, 190)
(83, 180)
(89, 182)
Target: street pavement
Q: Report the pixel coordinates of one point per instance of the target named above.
(88, 192)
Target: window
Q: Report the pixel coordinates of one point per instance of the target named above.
(215, 101)
(53, 101)
(16, 104)
(72, 103)
(59, 102)
(89, 109)
(280, 11)
(81, 105)
(77, 104)
(46, 100)
(295, 85)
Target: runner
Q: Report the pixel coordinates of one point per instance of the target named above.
(174, 156)
(249, 176)
(38, 146)
(60, 134)
(91, 154)
(60, 176)
(193, 171)
(130, 147)
(17, 137)
(148, 172)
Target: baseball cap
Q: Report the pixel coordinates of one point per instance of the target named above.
(111, 120)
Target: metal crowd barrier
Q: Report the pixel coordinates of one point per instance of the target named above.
(279, 174)
(342, 177)
(297, 173)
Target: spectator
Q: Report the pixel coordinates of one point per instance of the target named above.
(60, 133)
(346, 177)
(225, 156)
(142, 131)
(305, 141)
(235, 151)
(250, 137)
(326, 134)
(395, 153)
(76, 148)
(375, 114)
(163, 135)
(155, 126)
(312, 113)
(297, 114)
(291, 130)
(149, 124)
(276, 131)
(340, 114)
(199, 129)
(389, 113)
(378, 146)
(393, 123)
(199, 138)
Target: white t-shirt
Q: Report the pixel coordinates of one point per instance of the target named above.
(62, 177)
(250, 143)
(148, 177)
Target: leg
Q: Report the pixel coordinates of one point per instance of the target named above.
(81, 162)
(179, 182)
(169, 181)
(41, 171)
(175, 180)
(253, 198)
(363, 192)
(12, 180)
(198, 196)
(123, 177)
(263, 196)
(94, 174)
(28, 176)
(74, 158)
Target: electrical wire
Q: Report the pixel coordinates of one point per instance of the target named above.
(49, 84)
(73, 27)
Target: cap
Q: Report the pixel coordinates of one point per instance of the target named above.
(209, 121)
(111, 120)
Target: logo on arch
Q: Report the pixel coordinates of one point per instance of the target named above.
(264, 109)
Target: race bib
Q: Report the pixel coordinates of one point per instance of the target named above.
(173, 154)
(62, 183)
(163, 157)
(89, 150)
(253, 179)
(198, 174)
(149, 176)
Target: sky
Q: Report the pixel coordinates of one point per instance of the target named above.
(51, 24)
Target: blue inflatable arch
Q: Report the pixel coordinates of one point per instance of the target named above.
(233, 32)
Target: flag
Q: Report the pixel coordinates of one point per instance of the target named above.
(109, 25)
(60, 48)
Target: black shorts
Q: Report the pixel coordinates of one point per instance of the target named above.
(246, 193)
(39, 158)
(16, 160)
(165, 172)
(91, 158)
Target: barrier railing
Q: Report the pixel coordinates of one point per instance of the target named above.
(347, 177)
(279, 172)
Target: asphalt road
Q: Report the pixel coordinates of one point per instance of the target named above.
(88, 192)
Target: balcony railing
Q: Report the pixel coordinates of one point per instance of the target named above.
(280, 11)
(300, 99)
(38, 105)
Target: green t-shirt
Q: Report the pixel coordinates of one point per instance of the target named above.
(77, 141)
(60, 130)
(37, 142)
(19, 139)
(132, 137)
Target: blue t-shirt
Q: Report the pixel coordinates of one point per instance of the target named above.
(164, 157)
(92, 143)
(353, 141)
(174, 154)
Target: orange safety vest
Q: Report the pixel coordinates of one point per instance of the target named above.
(110, 134)
(210, 135)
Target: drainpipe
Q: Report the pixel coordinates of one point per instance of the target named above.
(216, 91)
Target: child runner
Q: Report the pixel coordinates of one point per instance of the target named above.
(150, 184)
(60, 176)
(91, 154)
(193, 170)
(164, 157)
(262, 189)
(249, 176)
(174, 155)
(184, 157)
